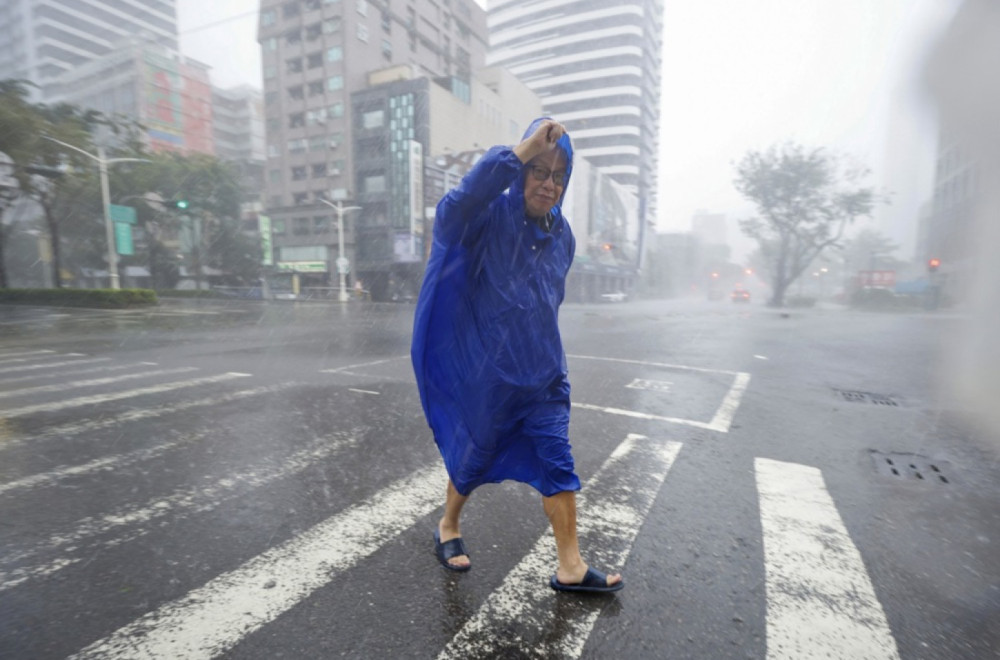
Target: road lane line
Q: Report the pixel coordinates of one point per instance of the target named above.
(105, 464)
(179, 504)
(521, 613)
(75, 428)
(365, 364)
(94, 382)
(215, 617)
(642, 415)
(115, 396)
(723, 418)
(51, 365)
(76, 372)
(6, 355)
(820, 600)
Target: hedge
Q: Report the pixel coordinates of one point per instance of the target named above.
(112, 298)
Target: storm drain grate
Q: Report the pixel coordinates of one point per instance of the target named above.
(857, 396)
(912, 467)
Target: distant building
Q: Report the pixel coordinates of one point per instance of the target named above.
(41, 40)
(169, 94)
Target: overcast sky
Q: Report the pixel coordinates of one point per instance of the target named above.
(737, 75)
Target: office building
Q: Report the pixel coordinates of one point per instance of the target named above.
(41, 40)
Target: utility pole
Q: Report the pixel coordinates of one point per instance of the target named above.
(342, 263)
(109, 230)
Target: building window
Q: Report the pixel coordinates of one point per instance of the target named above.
(336, 167)
(298, 199)
(317, 143)
(314, 31)
(374, 183)
(314, 60)
(331, 25)
(293, 36)
(298, 173)
(274, 176)
(318, 170)
(335, 139)
(315, 87)
(270, 98)
(334, 54)
(387, 49)
(271, 43)
(296, 93)
(386, 21)
(273, 124)
(290, 9)
(362, 32)
(300, 226)
(312, 5)
(278, 226)
(362, 7)
(296, 146)
(270, 71)
(373, 119)
(321, 225)
(268, 17)
(335, 110)
(333, 83)
(295, 65)
(296, 120)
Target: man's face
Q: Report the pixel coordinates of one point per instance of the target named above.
(541, 195)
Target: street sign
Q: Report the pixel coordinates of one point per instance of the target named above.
(120, 213)
(343, 266)
(123, 238)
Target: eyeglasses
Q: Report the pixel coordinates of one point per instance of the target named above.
(541, 174)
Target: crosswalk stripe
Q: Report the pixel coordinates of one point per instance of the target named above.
(179, 503)
(524, 600)
(215, 617)
(641, 415)
(104, 464)
(820, 600)
(94, 382)
(75, 428)
(115, 396)
(5, 355)
(51, 365)
(76, 372)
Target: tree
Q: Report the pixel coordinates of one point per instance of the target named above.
(869, 250)
(805, 200)
(18, 124)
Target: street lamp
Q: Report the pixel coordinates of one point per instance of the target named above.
(341, 259)
(109, 231)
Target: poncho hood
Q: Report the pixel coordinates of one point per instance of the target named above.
(566, 146)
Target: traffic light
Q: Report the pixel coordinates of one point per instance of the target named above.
(181, 204)
(932, 265)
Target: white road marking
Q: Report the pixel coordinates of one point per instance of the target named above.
(214, 618)
(106, 464)
(723, 418)
(178, 504)
(4, 355)
(76, 384)
(820, 600)
(525, 602)
(75, 428)
(76, 372)
(102, 398)
(651, 385)
(642, 415)
(662, 365)
(348, 368)
(52, 365)
(354, 389)
(760, 357)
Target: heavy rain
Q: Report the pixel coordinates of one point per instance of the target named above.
(499, 329)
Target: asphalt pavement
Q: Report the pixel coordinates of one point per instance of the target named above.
(256, 480)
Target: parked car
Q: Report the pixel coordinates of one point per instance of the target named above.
(740, 295)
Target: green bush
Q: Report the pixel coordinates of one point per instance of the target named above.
(190, 293)
(107, 298)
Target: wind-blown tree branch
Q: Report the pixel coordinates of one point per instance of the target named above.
(805, 199)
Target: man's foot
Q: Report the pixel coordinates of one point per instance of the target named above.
(451, 553)
(593, 581)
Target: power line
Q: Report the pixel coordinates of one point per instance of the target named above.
(222, 21)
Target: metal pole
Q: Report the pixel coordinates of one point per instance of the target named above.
(340, 251)
(109, 229)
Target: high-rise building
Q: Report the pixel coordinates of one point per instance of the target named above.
(596, 67)
(40, 40)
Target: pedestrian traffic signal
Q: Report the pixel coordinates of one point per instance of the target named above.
(932, 265)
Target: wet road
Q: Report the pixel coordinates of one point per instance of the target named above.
(253, 480)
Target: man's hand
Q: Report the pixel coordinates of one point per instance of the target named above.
(543, 139)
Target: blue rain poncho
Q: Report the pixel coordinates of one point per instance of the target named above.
(486, 350)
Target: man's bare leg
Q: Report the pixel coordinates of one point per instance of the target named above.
(449, 527)
(561, 510)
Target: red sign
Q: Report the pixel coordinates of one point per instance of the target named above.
(880, 278)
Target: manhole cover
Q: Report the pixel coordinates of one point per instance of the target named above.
(912, 467)
(857, 396)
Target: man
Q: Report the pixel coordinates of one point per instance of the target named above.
(486, 350)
